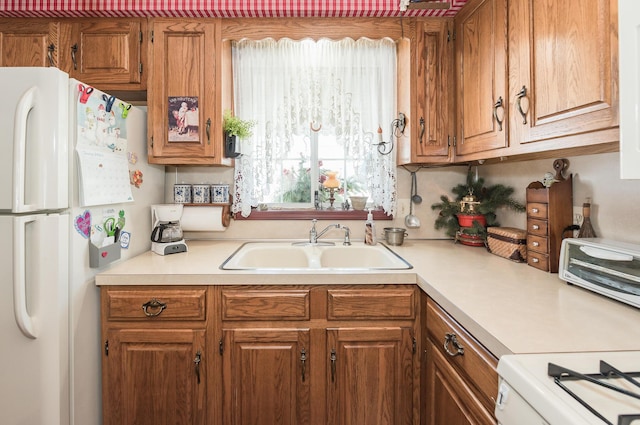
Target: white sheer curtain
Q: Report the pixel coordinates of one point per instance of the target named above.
(348, 87)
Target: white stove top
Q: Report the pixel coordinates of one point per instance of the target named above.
(525, 377)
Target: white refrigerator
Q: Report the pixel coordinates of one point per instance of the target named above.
(50, 348)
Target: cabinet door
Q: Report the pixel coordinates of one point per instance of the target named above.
(184, 76)
(629, 89)
(434, 117)
(482, 79)
(106, 53)
(370, 376)
(449, 398)
(29, 42)
(154, 377)
(266, 377)
(563, 71)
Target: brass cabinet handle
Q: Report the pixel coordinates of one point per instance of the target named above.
(196, 363)
(50, 50)
(422, 129)
(332, 357)
(74, 50)
(208, 131)
(154, 305)
(522, 93)
(451, 338)
(303, 361)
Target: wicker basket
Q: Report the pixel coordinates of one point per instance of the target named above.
(508, 242)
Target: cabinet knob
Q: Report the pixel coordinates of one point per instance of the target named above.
(535, 260)
(535, 244)
(535, 210)
(535, 227)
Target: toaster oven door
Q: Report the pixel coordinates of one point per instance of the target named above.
(611, 272)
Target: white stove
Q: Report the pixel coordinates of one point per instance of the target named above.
(533, 393)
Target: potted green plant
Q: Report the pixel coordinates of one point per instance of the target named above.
(473, 209)
(234, 128)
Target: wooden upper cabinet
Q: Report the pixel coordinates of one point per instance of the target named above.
(432, 123)
(184, 75)
(482, 80)
(563, 62)
(29, 42)
(107, 53)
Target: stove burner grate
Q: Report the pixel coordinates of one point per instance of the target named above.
(560, 374)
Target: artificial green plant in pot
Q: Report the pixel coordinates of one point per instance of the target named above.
(234, 128)
(474, 208)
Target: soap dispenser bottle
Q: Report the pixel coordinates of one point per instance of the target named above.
(370, 230)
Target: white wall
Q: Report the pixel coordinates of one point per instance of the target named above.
(615, 202)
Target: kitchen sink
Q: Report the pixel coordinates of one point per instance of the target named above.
(292, 256)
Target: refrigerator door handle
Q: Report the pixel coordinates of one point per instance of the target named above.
(25, 322)
(26, 103)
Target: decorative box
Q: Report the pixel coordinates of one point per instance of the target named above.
(508, 242)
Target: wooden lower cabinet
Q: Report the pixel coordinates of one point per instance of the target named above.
(319, 355)
(289, 355)
(154, 377)
(461, 377)
(370, 376)
(155, 361)
(266, 377)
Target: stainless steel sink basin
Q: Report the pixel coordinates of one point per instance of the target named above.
(288, 256)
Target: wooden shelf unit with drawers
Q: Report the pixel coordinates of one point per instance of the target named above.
(549, 214)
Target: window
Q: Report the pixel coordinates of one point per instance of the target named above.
(319, 107)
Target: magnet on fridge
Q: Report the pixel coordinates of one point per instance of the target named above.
(85, 92)
(125, 109)
(82, 223)
(125, 239)
(108, 102)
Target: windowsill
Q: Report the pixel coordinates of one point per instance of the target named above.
(311, 214)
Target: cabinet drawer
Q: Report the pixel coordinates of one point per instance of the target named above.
(537, 243)
(155, 304)
(537, 260)
(475, 364)
(350, 304)
(537, 227)
(538, 195)
(537, 210)
(265, 304)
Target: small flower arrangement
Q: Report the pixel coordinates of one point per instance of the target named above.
(235, 126)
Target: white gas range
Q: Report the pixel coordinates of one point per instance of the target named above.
(572, 391)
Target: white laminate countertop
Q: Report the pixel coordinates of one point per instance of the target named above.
(509, 307)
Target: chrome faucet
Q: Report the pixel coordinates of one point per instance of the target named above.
(314, 235)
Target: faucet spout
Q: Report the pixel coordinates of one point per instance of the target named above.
(314, 235)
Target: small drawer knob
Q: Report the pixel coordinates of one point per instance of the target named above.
(536, 244)
(535, 227)
(535, 210)
(535, 260)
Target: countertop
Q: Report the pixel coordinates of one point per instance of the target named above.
(511, 308)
